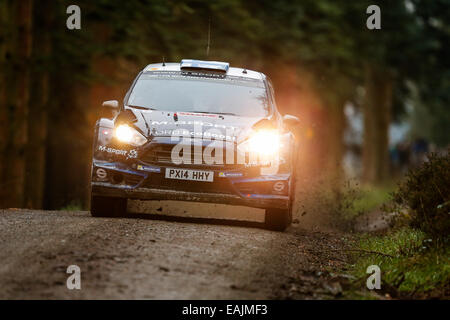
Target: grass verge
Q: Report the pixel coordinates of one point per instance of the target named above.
(411, 265)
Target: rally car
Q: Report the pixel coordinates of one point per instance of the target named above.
(196, 131)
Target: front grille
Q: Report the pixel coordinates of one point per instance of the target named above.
(162, 155)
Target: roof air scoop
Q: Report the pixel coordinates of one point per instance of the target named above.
(199, 65)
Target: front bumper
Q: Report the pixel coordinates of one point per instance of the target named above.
(234, 189)
(106, 189)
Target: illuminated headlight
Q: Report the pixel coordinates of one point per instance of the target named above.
(263, 145)
(126, 134)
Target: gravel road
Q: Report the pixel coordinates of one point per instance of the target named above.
(143, 257)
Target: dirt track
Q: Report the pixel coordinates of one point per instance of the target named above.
(175, 258)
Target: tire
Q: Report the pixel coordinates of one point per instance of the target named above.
(278, 219)
(108, 207)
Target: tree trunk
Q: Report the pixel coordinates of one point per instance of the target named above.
(18, 111)
(377, 116)
(334, 129)
(37, 121)
(4, 28)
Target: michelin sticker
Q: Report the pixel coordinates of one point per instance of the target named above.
(230, 174)
(147, 168)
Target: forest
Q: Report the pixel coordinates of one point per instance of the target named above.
(319, 54)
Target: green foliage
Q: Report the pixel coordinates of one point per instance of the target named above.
(408, 259)
(432, 74)
(425, 196)
(431, 121)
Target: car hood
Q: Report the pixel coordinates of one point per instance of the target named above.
(155, 123)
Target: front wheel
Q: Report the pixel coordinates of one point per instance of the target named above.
(108, 207)
(278, 219)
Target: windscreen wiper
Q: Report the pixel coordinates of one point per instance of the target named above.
(223, 113)
(140, 107)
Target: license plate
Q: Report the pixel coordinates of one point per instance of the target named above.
(189, 174)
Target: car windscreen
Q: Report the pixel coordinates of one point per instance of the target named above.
(197, 94)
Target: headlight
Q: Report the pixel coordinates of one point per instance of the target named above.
(125, 133)
(264, 142)
(262, 146)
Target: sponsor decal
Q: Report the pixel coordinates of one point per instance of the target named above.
(210, 131)
(199, 114)
(148, 168)
(101, 173)
(131, 154)
(200, 123)
(112, 150)
(187, 133)
(230, 174)
(260, 163)
(278, 186)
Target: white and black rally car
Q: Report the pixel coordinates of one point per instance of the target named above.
(196, 131)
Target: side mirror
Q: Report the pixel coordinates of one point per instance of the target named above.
(291, 122)
(111, 104)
